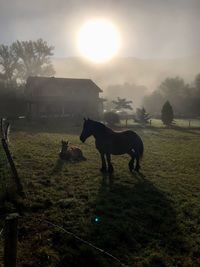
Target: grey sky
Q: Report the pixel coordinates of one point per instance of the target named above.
(150, 28)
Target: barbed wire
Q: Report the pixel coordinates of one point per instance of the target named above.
(86, 242)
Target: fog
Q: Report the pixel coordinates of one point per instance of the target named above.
(149, 29)
(142, 76)
(160, 38)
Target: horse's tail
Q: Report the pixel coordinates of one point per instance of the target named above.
(141, 149)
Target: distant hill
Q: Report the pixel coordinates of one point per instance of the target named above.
(147, 72)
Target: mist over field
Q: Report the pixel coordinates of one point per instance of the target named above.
(144, 73)
(147, 72)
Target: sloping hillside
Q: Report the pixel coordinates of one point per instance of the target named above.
(147, 72)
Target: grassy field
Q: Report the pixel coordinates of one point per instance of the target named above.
(144, 220)
(184, 123)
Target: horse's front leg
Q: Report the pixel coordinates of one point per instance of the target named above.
(103, 161)
(110, 166)
(131, 162)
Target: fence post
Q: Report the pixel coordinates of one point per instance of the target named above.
(13, 168)
(10, 245)
(126, 123)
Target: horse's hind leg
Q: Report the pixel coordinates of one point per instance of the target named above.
(131, 162)
(137, 167)
(110, 166)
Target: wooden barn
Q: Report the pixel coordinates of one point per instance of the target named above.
(62, 97)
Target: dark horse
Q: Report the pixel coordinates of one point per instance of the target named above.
(116, 143)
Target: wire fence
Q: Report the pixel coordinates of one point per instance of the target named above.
(9, 179)
(6, 181)
(87, 243)
(9, 241)
(1, 246)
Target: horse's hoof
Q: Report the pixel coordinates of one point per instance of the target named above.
(131, 169)
(103, 170)
(142, 175)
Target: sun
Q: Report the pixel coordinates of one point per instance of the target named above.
(98, 40)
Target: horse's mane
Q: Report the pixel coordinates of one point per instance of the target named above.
(100, 126)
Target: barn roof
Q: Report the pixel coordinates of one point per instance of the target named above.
(65, 83)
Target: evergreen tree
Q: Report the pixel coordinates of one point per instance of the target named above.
(142, 116)
(167, 114)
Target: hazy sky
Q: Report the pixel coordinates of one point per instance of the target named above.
(150, 28)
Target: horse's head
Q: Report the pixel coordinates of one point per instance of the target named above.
(65, 145)
(87, 130)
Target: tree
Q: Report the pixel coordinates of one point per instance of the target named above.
(195, 99)
(111, 117)
(122, 104)
(8, 63)
(24, 59)
(197, 82)
(167, 114)
(176, 91)
(33, 58)
(172, 86)
(142, 116)
(127, 90)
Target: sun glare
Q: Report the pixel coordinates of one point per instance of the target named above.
(98, 40)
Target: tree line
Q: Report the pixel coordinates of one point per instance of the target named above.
(184, 98)
(22, 59)
(18, 61)
(140, 116)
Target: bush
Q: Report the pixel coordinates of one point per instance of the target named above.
(111, 117)
(167, 114)
(142, 116)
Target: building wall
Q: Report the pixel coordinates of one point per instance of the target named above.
(45, 103)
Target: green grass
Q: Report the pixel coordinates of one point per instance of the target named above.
(145, 221)
(185, 123)
(192, 123)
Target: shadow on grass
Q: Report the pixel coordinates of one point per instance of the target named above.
(135, 220)
(58, 166)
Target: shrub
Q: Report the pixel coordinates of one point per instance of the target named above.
(142, 116)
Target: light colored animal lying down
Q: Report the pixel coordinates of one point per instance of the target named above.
(69, 152)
